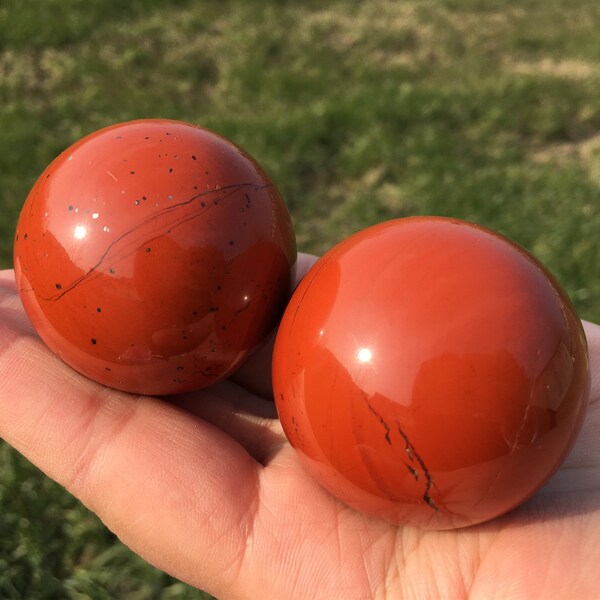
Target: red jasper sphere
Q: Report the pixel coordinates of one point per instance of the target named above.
(153, 256)
(430, 372)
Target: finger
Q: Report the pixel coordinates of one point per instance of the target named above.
(255, 374)
(586, 452)
(249, 419)
(592, 332)
(10, 304)
(169, 484)
(178, 490)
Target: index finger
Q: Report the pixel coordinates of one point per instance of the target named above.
(255, 374)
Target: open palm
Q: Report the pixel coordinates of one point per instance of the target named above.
(205, 487)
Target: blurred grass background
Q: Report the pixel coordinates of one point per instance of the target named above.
(486, 110)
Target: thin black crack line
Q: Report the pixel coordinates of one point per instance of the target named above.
(367, 460)
(230, 189)
(412, 455)
(381, 420)
(411, 470)
(411, 451)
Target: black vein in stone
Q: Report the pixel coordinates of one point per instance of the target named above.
(228, 190)
(381, 420)
(413, 454)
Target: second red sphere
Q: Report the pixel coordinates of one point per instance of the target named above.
(430, 372)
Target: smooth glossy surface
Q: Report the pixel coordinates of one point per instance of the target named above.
(430, 372)
(153, 256)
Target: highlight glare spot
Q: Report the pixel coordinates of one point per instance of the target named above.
(364, 355)
(80, 232)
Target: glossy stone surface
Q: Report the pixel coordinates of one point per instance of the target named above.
(430, 372)
(153, 256)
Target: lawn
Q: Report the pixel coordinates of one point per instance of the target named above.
(359, 111)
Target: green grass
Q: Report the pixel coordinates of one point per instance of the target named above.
(360, 111)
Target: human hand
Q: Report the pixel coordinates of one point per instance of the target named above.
(205, 487)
